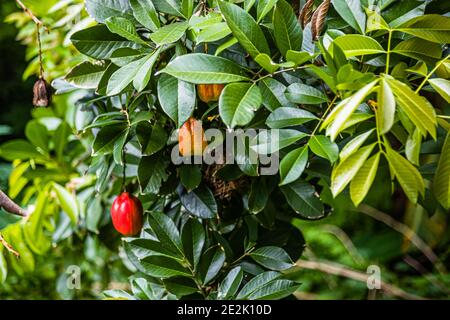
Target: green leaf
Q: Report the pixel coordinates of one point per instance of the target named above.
(163, 267)
(108, 138)
(263, 8)
(124, 28)
(152, 138)
(272, 92)
(211, 263)
(416, 107)
(166, 232)
(213, 32)
(286, 28)
(145, 13)
(353, 145)
(361, 183)
(100, 10)
(98, 42)
(344, 172)
(33, 230)
(123, 56)
(142, 248)
(151, 173)
(259, 194)
(200, 202)
(412, 147)
(170, 33)
(257, 282)
(177, 98)
(37, 134)
(303, 94)
(193, 240)
(266, 62)
(298, 57)
(245, 29)
(190, 176)
(267, 142)
(358, 45)
(202, 68)
(342, 112)
(293, 165)
(431, 27)
(287, 117)
(441, 181)
(275, 290)
(181, 286)
(3, 268)
(407, 175)
(386, 107)
(144, 73)
(352, 12)
(324, 147)
(121, 78)
(230, 285)
(419, 49)
(172, 7)
(238, 102)
(273, 258)
(303, 198)
(442, 87)
(67, 201)
(19, 149)
(86, 75)
(60, 139)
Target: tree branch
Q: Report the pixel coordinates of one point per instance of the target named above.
(340, 270)
(407, 232)
(10, 206)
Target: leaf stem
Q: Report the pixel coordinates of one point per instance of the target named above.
(323, 116)
(388, 53)
(278, 72)
(431, 73)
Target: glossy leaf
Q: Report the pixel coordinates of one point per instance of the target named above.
(273, 258)
(344, 172)
(286, 27)
(303, 94)
(245, 29)
(203, 68)
(361, 183)
(177, 98)
(293, 165)
(441, 181)
(323, 147)
(238, 102)
(302, 197)
(288, 117)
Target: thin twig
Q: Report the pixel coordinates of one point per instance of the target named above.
(8, 246)
(345, 240)
(31, 15)
(10, 206)
(407, 232)
(340, 270)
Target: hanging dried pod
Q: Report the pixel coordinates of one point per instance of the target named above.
(318, 19)
(42, 93)
(305, 14)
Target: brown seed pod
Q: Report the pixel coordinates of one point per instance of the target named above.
(42, 93)
(305, 14)
(318, 19)
(209, 92)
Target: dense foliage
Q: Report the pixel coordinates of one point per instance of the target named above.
(358, 92)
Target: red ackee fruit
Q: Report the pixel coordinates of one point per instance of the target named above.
(127, 214)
